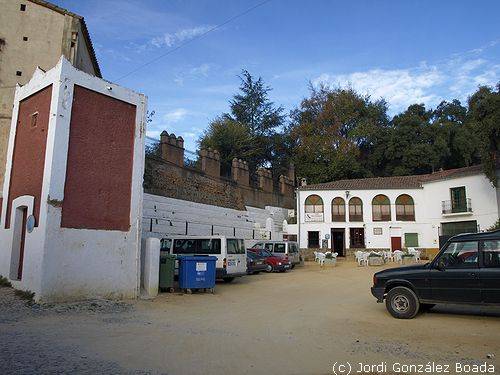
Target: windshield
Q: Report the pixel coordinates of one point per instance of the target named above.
(266, 253)
(235, 246)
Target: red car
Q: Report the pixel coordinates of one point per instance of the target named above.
(274, 263)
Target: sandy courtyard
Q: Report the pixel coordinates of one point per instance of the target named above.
(301, 322)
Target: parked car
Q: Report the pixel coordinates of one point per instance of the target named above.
(230, 252)
(273, 262)
(466, 271)
(284, 249)
(255, 263)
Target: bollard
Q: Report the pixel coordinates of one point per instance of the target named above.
(151, 267)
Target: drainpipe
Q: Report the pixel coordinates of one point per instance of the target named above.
(298, 216)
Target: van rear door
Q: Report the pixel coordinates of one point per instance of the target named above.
(236, 257)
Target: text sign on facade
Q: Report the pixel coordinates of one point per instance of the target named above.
(313, 216)
(377, 231)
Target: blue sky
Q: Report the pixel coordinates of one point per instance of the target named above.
(404, 51)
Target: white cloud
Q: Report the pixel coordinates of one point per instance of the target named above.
(170, 39)
(175, 115)
(400, 87)
(457, 78)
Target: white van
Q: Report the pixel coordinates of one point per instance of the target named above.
(288, 249)
(230, 252)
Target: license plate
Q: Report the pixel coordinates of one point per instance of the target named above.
(287, 266)
(231, 262)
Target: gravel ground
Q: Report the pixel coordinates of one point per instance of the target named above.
(301, 322)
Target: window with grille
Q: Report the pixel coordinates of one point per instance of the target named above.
(381, 208)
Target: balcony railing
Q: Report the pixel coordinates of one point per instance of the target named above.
(451, 207)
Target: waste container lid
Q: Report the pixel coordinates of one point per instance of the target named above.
(197, 258)
(167, 255)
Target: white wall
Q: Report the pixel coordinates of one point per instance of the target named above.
(69, 264)
(163, 216)
(428, 215)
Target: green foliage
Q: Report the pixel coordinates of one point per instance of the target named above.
(333, 132)
(337, 133)
(4, 282)
(25, 294)
(484, 120)
(249, 131)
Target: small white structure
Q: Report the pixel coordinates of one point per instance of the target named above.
(70, 220)
(396, 212)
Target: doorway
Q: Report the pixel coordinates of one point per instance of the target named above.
(395, 243)
(313, 240)
(17, 259)
(338, 241)
(357, 236)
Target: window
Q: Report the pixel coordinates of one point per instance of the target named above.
(314, 204)
(235, 246)
(269, 247)
(197, 246)
(381, 208)
(23, 7)
(313, 240)
(460, 255)
(458, 227)
(338, 209)
(313, 208)
(405, 208)
(19, 73)
(458, 199)
(293, 248)
(491, 253)
(411, 239)
(279, 248)
(355, 209)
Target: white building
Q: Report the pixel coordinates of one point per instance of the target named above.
(396, 212)
(70, 218)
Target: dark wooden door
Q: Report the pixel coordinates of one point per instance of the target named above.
(338, 241)
(395, 243)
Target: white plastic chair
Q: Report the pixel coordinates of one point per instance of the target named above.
(365, 258)
(358, 255)
(398, 256)
(321, 258)
(316, 257)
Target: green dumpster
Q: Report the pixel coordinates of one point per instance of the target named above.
(167, 269)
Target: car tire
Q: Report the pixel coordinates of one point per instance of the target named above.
(292, 267)
(402, 303)
(269, 268)
(228, 279)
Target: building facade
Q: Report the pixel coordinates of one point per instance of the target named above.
(396, 212)
(35, 33)
(70, 219)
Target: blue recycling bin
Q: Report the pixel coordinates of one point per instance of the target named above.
(196, 272)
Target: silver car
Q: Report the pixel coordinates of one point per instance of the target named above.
(282, 249)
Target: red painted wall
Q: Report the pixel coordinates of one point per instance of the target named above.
(97, 190)
(29, 150)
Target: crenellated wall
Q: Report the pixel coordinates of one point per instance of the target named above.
(167, 175)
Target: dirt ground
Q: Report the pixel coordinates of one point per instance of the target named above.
(301, 322)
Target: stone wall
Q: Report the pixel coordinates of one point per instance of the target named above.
(167, 175)
(170, 180)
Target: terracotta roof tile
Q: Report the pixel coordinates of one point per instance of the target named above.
(394, 182)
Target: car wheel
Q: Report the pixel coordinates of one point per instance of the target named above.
(228, 279)
(269, 268)
(293, 266)
(402, 303)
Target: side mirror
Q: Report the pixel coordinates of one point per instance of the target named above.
(440, 265)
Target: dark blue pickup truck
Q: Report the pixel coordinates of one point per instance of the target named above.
(466, 271)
